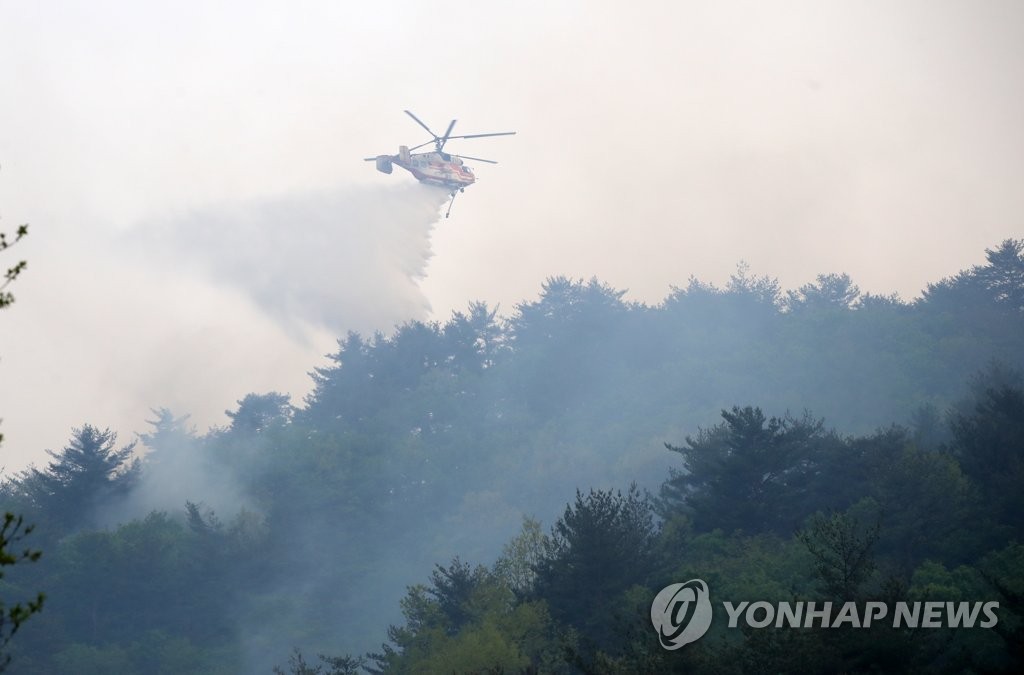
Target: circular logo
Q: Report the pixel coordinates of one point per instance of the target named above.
(681, 613)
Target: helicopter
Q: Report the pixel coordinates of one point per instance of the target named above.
(437, 167)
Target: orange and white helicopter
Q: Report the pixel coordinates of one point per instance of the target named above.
(438, 167)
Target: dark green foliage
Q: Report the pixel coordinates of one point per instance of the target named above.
(750, 472)
(603, 544)
(88, 473)
(452, 589)
(1004, 572)
(928, 508)
(988, 442)
(841, 548)
(14, 615)
(259, 412)
(436, 438)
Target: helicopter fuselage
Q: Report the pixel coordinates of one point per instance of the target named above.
(432, 168)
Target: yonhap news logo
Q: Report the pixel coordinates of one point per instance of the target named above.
(681, 614)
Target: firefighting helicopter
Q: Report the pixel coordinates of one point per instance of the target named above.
(438, 167)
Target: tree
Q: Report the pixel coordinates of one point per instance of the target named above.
(603, 544)
(749, 473)
(473, 341)
(452, 588)
(988, 441)
(259, 412)
(841, 548)
(1003, 276)
(517, 566)
(829, 291)
(982, 294)
(169, 434)
(467, 621)
(87, 473)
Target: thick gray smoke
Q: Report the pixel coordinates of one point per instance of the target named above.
(342, 259)
(335, 260)
(195, 310)
(180, 471)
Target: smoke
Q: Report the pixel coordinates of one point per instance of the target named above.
(180, 470)
(192, 311)
(340, 260)
(337, 260)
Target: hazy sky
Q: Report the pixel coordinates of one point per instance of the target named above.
(203, 224)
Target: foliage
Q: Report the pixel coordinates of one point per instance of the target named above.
(86, 474)
(988, 442)
(13, 272)
(467, 620)
(841, 548)
(517, 565)
(310, 524)
(603, 544)
(13, 616)
(335, 665)
(750, 472)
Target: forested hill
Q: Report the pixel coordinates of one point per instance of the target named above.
(302, 524)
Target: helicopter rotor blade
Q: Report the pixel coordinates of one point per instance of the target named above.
(475, 159)
(444, 139)
(420, 122)
(417, 147)
(500, 133)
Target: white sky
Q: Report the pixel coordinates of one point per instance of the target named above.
(655, 140)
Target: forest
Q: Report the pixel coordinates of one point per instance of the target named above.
(499, 494)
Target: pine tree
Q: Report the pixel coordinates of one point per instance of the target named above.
(86, 474)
